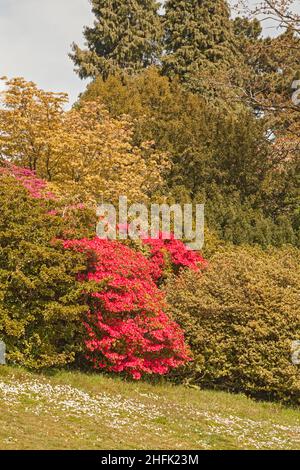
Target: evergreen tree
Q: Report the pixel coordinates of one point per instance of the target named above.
(126, 35)
(199, 42)
(246, 28)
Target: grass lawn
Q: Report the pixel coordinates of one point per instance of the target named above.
(68, 410)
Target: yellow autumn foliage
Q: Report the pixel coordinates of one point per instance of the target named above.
(84, 150)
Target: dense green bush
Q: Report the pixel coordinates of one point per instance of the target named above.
(240, 319)
(241, 222)
(40, 307)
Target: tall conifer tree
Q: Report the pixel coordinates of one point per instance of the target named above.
(126, 36)
(199, 40)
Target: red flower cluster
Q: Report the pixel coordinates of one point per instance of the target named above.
(166, 251)
(127, 328)
(36, 187)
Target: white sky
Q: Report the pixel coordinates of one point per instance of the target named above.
(35, 38)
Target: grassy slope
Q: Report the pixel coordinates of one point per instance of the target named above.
(80, 411)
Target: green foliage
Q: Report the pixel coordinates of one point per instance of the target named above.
(199, 43)
(164, 113)
(242, 220)
(240, 319)
(41, 309)
(245, 28)
(126, 36)
(206, 145)
(213, 244)
(218, 157)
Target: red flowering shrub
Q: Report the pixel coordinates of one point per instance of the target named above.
(127, 328)
(165, 253)
(168, 252)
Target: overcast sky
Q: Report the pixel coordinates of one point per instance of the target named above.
(35, 38)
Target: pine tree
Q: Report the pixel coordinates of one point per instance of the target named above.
(126, 36)
(199, 40)
(246, 28)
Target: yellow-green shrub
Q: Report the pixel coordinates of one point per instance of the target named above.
(240, 319)
(41, 306)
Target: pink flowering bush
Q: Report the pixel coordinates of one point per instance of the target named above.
(78, 218)
(168, 253)
(36, 187)
(127, 329)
